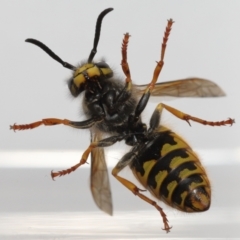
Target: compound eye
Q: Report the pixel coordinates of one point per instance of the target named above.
(102, 65)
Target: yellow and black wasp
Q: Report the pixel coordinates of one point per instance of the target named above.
(160, 159)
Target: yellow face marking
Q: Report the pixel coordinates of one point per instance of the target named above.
(83, 68)
(78, 76)
(93, 71)
(106, 71)
(78, 80)
(90, 69)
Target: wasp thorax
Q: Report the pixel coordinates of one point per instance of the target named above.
(86, 73)
(198, 200)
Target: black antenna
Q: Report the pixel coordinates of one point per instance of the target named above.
(50, 53)
(97, 33)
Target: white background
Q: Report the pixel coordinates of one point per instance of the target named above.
(204, 42)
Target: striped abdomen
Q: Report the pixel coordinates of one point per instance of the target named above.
(172, 172)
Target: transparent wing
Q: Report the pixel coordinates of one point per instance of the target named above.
(189, 87)
(99, 179)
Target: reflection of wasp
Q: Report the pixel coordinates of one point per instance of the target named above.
(160, 159)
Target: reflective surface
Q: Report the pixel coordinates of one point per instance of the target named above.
(32, 206)
(217, 224)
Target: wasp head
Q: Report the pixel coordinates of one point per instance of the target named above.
(87, 73)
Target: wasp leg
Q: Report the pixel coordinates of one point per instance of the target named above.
(187, 117)
(125, 94)
(55, 121)
(145, 97)
(136, 191)
(103, 143)
(124, 63)
(160, 64)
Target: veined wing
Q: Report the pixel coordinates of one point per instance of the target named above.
(189, 87)
(99, 179)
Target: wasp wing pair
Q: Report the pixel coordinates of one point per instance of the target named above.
(189, 87)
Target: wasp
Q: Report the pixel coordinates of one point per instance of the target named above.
(160, 159)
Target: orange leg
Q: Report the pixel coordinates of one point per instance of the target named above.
(73, 168)
(186, 117)
(126, 92)
(54, 121)
(145, 97)
(160, 64)
(124, 63)
(126, 69)
(136, 191)
(102, 143)
(147, 92)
